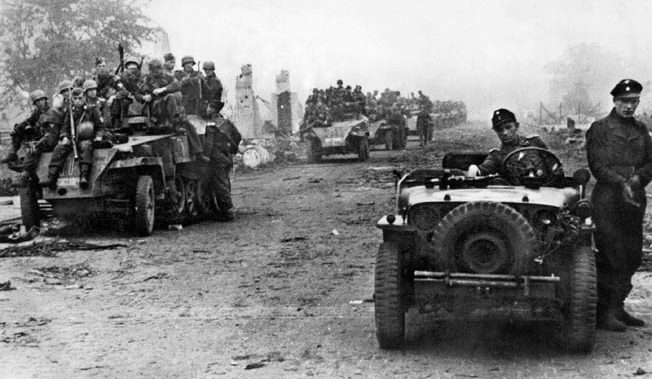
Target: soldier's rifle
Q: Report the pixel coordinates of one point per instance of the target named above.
(121, 65)
(73, 129)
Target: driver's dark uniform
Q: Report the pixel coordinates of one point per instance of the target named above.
(494, 160)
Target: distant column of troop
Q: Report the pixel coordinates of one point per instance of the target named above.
(86, 113)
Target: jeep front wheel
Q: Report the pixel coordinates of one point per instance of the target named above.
(579, 324)
(388, 290)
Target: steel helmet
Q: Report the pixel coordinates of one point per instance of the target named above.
(85, 131)
(155, 63)
(65, 85)
(37, 95)
(208, 65)
(187, 59)
(132, 60)
(89, 84)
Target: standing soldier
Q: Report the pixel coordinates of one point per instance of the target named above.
(88, 125)
(192, 84)
(424, 125)
(213, 86)
(105, 82)
(90, 94)
(619, 151)
(360, 99)
(220, 144)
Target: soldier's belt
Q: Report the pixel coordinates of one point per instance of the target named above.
(624, 171)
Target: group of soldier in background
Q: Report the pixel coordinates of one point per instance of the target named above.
(334, 104)
(85, 114)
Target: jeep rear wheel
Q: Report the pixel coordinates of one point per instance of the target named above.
(388, 290)
(485, 238)
(579, 325)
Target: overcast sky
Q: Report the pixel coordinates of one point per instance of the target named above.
(489, 54)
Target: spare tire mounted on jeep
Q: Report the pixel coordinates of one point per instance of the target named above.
(485, 238)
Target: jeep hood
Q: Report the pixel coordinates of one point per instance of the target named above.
(546, 196)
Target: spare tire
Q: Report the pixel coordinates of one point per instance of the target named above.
(485, 238)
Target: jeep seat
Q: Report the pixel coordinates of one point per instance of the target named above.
(461, 160)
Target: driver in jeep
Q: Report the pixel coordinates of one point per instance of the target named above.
(506, 127)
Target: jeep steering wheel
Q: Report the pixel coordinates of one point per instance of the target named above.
(531, 165)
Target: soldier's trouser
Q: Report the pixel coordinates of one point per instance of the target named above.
(61, 152)
(619, 240)
(221, 183)
(166, 108)
(423, 134)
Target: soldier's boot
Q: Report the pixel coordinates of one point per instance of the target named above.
(226, 216)
(84, 172)
(51, 181)
(626, 318)
(608, 321)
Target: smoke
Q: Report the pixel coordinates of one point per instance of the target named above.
(488, 54)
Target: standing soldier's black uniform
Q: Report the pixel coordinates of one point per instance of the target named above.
(424, 124)
(81, 113)
(220, 144)
(619, 151)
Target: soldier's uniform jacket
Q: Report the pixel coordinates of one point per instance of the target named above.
(221, 141)
(105, 84)
(494, 160)
(213, 89)
(131, 82)
(192, 85)
(30, 129)
(618, 148)
(81, 114)
(164, 80)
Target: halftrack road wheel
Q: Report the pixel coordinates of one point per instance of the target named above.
(144, 220)
(388, 290)
(485, 238)
(580, 320)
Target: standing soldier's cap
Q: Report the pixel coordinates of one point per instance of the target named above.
(187, 59)
(99, 60)
(502, 116)
(208, 65)
(37, 95)
(339, 81)
(65, 85)
(132, 60)
(89, 84)
(168, 57)
(627, 88)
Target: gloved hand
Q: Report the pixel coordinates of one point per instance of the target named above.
(628, 196)
(473, 171)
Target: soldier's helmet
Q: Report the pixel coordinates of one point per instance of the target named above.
(132, 60)
(65, 85)
(339, 82)
(168, 57)
(89, 84)
(208, 65)
(77, 92)
(155, 63)
(85, 131)
(37, 95)
(187, 59)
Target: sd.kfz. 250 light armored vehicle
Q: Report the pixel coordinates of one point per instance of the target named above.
(516, 246)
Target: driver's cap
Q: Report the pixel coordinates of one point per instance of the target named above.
(627, 88)
(502, 116)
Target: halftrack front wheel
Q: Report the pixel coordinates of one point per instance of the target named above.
(192, 200)
(388, 290)
(579, 325)
(144, 220)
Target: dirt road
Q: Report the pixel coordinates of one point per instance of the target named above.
(284, 291)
